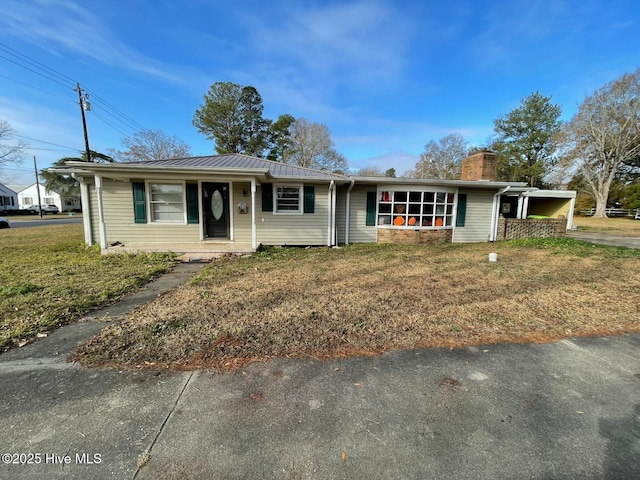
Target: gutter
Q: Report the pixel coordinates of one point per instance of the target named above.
(494, 214)
(347, 215)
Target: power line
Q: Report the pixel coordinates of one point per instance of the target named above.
(26, 58)
(36, 72)
(124, 124)
(131, 121)
(43, 149)
(110, 124)
(42, 141)
(57, 77)
(36, 88)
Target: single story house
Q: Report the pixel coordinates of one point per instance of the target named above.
(235, 203)
(64, 202)
(8, 199)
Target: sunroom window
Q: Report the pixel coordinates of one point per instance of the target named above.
(166, 202)
(415, 209)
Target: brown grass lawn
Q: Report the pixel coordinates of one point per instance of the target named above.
(48, 277)
(365, 299)
(627, 227)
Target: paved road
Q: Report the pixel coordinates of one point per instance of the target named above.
(46, 220)
(565, 410)
(605, 239)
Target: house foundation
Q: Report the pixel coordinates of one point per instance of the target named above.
(414, 237)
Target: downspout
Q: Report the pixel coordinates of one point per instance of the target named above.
(254, 232)
(101, 225)
(334, 200)
(86, 209)
(347, 214)
(494, 213)
(330, 219)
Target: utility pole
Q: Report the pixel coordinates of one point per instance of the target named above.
(35, 166)
(84, 105)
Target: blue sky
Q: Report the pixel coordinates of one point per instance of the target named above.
(386, 77)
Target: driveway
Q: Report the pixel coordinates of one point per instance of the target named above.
(605, 239)
(570, 409)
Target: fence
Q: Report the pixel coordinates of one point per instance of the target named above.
(612, 212)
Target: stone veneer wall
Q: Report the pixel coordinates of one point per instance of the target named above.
(516, 228)
(414, 237)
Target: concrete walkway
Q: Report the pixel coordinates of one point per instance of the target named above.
(565, 410)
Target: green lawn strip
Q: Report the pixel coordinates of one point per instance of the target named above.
(369, 298)
(48, 278)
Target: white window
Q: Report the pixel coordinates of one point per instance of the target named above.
(48, 200)
(288, 198)
(166, 201)
(27, 201)
(415, 209)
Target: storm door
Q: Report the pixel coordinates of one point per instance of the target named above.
(215, 206)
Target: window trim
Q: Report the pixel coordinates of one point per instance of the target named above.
(300, 210)
(150, 215)
(435, 190)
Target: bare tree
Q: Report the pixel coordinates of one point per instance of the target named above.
(604, 135)
(442, 159)
(312, 147)
(13, 152)
(150, 145)
(370, 172)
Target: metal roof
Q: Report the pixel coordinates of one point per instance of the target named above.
(239, 161)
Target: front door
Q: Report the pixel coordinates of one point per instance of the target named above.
(215, 205)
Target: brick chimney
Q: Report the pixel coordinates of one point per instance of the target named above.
(480, 166)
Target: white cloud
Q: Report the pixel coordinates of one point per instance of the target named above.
(61, 26)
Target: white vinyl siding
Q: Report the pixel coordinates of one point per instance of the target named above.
(302, 229)
(477, 225)
(242, 221)
(359, 232)
(93, 211)
(117, 200)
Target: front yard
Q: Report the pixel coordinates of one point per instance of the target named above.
(365, 299)
(48, 277)
(625, 227)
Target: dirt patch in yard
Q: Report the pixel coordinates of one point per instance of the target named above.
(365, 299)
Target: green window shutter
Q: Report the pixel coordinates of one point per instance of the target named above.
(371, 209)
(267, 197)
(309, 199)
(192, 203)
(461, 214)
(139, 202)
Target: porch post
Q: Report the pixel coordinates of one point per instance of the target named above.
(520, 204)
(86, 211)
(254, 232)
(101, 225)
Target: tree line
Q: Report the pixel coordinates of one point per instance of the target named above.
(597, 152)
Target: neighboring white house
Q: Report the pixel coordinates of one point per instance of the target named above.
(8, 199)
(65, 203)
